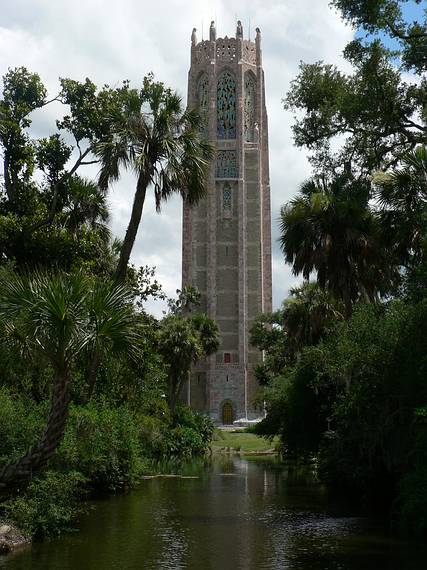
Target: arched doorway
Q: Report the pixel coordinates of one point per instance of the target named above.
(227, 413)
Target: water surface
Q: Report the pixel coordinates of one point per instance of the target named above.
(236, 514)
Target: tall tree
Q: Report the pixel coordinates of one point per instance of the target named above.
(161, 143)
(39, 189)
(378, 112)
(329, 230)
(386, 18)
(303, 320)
(55, 319)
(184, 337)
(401, 194)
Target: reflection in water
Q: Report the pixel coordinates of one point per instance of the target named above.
(237, 515)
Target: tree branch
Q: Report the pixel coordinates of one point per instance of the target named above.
(405, 37)
(57, 98)
(48, 220)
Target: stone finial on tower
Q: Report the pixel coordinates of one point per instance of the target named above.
(239, 30)
(212, 32)
(193, 37)
(258, 46)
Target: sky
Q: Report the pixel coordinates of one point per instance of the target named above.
(112, 41)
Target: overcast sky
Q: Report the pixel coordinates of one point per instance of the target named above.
(111, 41)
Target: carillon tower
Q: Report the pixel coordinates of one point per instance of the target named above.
(227, 236)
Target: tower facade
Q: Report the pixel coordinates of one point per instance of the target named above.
(227, 236)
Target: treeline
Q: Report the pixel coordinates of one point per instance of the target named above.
(345, 375)
(89, 382)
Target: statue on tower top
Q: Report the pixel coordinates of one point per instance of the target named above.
(193, 37)
(239, 30)
(212, 32)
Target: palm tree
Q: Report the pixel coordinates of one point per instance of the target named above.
(86, 207)
(182, 341)
(306, 315)
(402, 197)
(161, 143)
(56, 318)
(330, 230)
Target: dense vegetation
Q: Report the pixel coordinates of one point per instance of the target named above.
(345, 375)
(90, 384)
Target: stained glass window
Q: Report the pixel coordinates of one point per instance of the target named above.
(249, 110)
(203, 98)
(227, 201)
(226, 106)
(226, 164)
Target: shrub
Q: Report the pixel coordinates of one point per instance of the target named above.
(103, 443)
(190, 435)
(411, 504)
(21, 421)
(48, 506)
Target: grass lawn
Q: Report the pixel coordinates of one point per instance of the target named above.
(241, 441)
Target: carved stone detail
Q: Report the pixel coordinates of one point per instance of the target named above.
(226, 164)
(226, 49)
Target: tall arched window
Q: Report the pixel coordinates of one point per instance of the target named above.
(226, 106)
(202, 99)
(227, 201)
(249, 107)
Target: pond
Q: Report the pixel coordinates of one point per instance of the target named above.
(230, 514)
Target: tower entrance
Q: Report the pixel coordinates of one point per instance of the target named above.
(227, 414)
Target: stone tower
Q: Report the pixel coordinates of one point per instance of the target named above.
(227, 236)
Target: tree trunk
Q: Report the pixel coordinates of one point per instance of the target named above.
(172, 394)
(91, 379)
(135, 218)
(7, 181)
(39, 455)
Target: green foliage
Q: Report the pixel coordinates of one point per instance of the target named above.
(302, 321)
(330, 229)
(103, 443)
(352, 397)
(402, 197)
(385, 17)
(49, 505)
(355, 393)
(182, 341)
(158, 140)
(45, 207)
(380, 112)
(21, 422)
(190, 435)
(65, 321)
(187, 434)
(58, 316)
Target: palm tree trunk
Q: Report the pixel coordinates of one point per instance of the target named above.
(93, 370)
(39, 455)
(135, 218)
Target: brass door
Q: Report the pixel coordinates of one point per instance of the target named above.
(227, 413)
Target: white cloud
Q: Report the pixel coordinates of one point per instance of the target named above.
(112, 41)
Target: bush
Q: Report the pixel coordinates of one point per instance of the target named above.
(103, 443)
(201, 423)
(21, 422)
(48, 506)
(411, 505)
(190, 435)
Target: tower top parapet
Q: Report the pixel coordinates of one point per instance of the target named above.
(226, 49)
